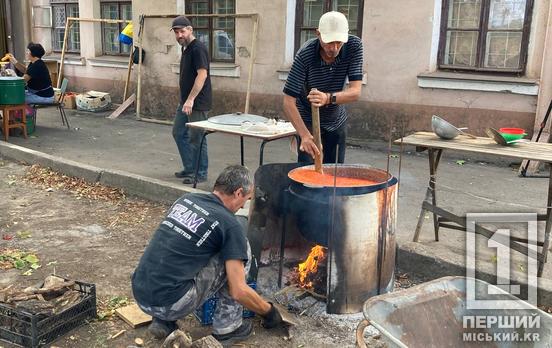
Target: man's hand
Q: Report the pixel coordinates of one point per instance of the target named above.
(272, 319)
(187, 107)
(317, 98)
(308, 146)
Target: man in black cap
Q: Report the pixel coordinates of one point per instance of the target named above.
(195, 100)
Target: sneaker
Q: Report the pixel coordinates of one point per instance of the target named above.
(190, 179)
(239, 334)
(161, 328)
(183, 173)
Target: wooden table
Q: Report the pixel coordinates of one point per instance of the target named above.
(211, 127)
(442, 218)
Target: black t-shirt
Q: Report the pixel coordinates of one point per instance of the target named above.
(195, 57)
(40, 79)
(196, 227)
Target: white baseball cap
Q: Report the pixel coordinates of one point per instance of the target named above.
(333, 26)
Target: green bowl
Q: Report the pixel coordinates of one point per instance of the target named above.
(511, 137)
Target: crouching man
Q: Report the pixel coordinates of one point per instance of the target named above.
(200, 249)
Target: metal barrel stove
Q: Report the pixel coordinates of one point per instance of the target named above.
(357, 224)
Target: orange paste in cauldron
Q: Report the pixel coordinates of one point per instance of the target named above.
(312, 177)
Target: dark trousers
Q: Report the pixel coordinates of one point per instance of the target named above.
(333, 143)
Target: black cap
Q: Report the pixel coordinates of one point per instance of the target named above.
(181, 22)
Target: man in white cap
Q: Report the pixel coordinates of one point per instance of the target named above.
(318, 77)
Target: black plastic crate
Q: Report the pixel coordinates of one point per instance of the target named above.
(35, 330)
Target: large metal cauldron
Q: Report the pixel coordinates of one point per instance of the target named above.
(357, 225)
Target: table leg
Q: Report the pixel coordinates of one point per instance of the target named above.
(261, 153)
(199, 158)
(241, 148)
(434, 158)
(546, 243)
(432, 181)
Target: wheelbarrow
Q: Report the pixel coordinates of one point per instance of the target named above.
(435, 314)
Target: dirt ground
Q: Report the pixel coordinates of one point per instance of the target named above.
(98, 238)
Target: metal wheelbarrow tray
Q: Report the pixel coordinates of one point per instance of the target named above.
(434, 314)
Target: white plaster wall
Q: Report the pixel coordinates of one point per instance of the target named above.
(399, 40)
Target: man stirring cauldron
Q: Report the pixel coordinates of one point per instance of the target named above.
(318, 77)
(199, 250)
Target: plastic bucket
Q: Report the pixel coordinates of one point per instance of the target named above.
(12, 90)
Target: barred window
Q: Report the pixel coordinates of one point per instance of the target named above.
(218, 34)
(485, 35)
(60, 11)
(111, 31)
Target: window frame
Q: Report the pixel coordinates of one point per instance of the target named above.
(211, 29)
(300, 8)
(482, 41)
(120, 25)
(74, 26)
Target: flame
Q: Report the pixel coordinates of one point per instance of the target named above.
(310, 266)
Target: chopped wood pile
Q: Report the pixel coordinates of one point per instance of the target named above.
(54, 296)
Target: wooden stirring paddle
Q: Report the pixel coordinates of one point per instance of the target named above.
(317, 138)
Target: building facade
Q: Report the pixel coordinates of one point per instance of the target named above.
(476, 63)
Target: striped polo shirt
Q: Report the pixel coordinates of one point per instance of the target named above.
(310, 71)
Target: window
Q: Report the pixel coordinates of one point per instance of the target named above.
(111, 31)
(218, 34)
(308, 14)
(485, 35)
(60, 11)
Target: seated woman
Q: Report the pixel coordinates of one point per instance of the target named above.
(39, 85)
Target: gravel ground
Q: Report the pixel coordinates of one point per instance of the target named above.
(96, 235)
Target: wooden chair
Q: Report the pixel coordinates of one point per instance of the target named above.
(59, 103)
(9, 113)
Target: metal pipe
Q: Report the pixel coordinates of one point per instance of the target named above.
(331, 231)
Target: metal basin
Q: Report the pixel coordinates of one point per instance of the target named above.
(443, 129)
(432, 315)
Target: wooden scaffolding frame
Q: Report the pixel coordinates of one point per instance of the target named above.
(69, 22)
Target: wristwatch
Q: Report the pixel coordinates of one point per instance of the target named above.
(333, 99)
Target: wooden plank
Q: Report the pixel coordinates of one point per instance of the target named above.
(251, 62)
(482, 145)
(123, 106)
(129, 70)
(315, 113)
(63, 49)
(133, 315)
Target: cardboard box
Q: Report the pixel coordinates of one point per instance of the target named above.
(69, 100)
(93, 101)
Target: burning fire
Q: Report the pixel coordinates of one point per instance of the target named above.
(309, 268)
